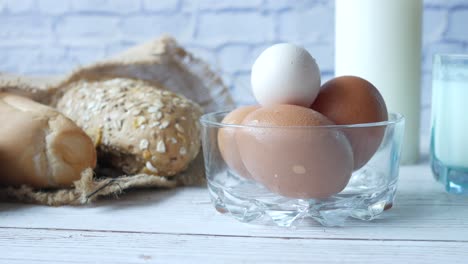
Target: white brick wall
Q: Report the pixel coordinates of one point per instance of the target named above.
(54, 36)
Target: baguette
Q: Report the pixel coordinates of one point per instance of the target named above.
(39, 146)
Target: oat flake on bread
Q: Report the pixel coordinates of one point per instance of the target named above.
(135, 126)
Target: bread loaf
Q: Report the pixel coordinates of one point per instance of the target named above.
(39, 146)
(136, 127)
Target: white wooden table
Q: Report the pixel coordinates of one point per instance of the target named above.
(426, 225)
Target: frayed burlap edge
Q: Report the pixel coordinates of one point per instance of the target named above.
(162, 62)
(85, 191)
(37, 88)
(89, 188)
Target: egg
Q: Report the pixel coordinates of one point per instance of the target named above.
(283, 150)
(227, 142)
(285, 74)
(352, 100)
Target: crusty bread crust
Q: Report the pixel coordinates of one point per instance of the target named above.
(135, 126)
(39, 146)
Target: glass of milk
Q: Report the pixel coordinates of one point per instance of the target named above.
(449, 133)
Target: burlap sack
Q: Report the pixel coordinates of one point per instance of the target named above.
(160, 61)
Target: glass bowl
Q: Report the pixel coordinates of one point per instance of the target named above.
(285, 174)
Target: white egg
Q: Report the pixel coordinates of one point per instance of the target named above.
(285, 74)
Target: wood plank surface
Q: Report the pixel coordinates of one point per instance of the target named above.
(426, 225)
(53, 246)
(423, 211)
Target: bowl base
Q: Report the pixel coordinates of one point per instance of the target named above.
(248, 201)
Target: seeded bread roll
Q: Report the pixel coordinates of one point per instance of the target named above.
(135, 126)
(39, 146)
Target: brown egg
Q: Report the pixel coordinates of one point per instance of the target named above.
(352, 100)
(227, 142)
(288, 155)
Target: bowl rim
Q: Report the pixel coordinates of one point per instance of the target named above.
(394, 119)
